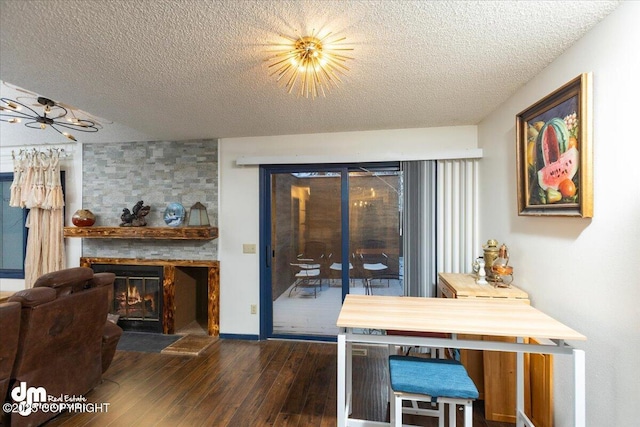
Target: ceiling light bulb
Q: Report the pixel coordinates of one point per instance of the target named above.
(43, 126)
(68, 135)
(14, 120)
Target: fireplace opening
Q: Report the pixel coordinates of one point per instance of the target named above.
(191, 300)
(137, 296)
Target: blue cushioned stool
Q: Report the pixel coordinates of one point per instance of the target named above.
(443, 381)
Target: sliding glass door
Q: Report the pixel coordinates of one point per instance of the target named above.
(326, 231)
(305, 239)
(375, 232)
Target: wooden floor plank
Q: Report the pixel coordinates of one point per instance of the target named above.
(166, 394)
(271, 388)
(316, 398)
(247, 391)
(288, 420)
(223, 397)
(330, 408)
(139, 393)
(297, 393)
(369, 372)
(142, 371)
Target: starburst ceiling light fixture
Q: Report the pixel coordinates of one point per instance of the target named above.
(44, 113)
(312, 62)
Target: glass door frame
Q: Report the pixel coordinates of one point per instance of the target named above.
(265, 218)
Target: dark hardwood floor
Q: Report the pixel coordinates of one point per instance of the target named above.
(240, 383)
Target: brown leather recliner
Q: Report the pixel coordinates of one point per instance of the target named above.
(66, 342)
(10, 328)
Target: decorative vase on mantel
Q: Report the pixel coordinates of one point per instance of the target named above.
(83, 218)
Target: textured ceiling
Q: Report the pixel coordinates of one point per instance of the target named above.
(186, 69)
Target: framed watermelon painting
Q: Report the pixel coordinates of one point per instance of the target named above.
(555, 154)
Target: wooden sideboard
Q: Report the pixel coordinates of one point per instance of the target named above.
(494, 372)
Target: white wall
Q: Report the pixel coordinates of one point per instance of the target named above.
(72, 165)
(584, 272)
(239, 204)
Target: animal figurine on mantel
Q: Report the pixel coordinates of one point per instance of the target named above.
(136, 216)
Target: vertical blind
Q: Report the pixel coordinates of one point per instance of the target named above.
(457, 214)
(440, 221)
(419, 219)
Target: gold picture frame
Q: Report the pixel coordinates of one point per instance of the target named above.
(555, 154)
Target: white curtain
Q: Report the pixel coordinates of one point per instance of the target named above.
(457, 215)
(36, 186)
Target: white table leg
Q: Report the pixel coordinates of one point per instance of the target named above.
(579, 411)
(519, 386)
(342, 380)
(452, 414)
(349, 376)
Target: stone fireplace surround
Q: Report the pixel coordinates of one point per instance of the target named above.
(173, 277)
(117, 175)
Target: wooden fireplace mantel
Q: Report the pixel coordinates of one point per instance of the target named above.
(180, 233)
(169, 287)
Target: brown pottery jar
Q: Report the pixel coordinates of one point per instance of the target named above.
(83, 218)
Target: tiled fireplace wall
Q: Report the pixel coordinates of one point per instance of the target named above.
(115, 176)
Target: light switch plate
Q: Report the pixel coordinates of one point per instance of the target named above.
(248, 248)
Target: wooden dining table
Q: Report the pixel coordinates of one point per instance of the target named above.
(361, 314)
